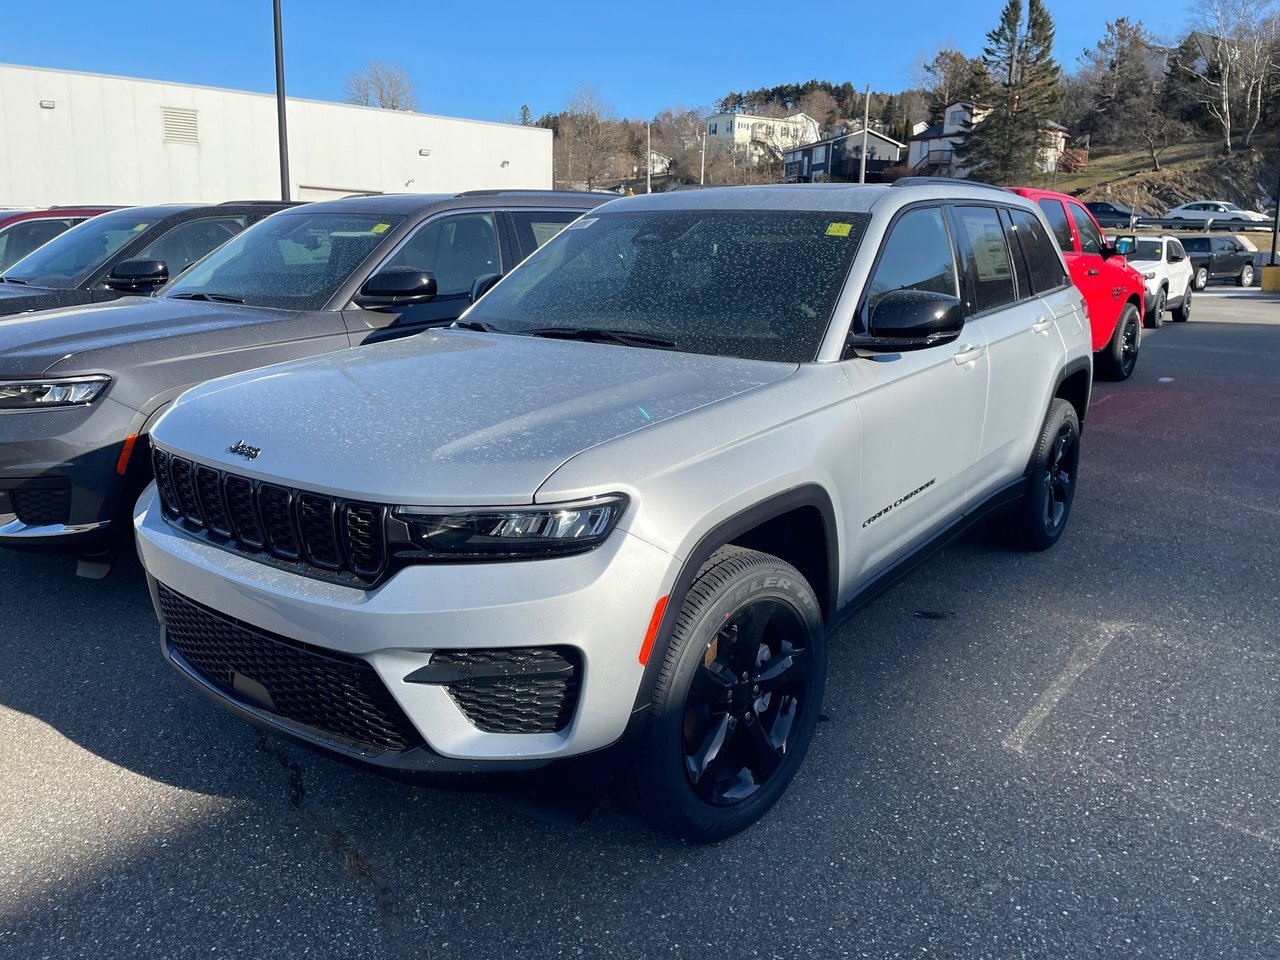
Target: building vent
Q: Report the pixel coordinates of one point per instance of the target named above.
(180, 125)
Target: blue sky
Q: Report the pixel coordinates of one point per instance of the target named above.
(483, 59)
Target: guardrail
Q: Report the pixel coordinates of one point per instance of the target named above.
(1197, 226)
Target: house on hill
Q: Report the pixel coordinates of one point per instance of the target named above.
(763, 137)
(838, 159)
(932, 151)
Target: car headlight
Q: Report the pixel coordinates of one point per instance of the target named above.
(41, 394)
(1150, 274)
(510, 533)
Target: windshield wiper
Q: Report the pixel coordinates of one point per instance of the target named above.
(210, 297)
(13, 280)
(461, 325)
(598, 335)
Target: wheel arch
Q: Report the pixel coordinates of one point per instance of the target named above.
(1075, 384)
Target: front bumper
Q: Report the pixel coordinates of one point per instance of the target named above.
(597, 604)
(59, 488)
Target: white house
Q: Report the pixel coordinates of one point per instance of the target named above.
(74, 138)
(932, 150)
(775, 135)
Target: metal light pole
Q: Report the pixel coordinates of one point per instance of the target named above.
(280, 116)
(648, 161)
(866, 118)
(702, 174)
(1275, 224)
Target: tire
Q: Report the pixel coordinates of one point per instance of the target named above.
(1246, 276)
(1182, 313)
(1155, 316)
(1201, 279)
(736, 701)
(1037, 522)
(1117, 360)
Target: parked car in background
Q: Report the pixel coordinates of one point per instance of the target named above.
(123, 252)
(79, 389)
(607, 524)
(24, 231)
(1215, 210)
(1114, 291)
(1168, 273)
(1219, 258)
(1112, 215)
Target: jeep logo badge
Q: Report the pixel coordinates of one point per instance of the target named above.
(244, 450)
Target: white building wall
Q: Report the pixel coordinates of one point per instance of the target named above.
(103, 142)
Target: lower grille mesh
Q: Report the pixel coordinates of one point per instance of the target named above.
(42, 508)
(514, 703)
(336, 694)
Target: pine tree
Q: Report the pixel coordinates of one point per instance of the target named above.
(1019, 85)
(526, 116)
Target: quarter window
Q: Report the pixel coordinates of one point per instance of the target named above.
(536, 227)
(1043, 261)
(455, 250)
(1090, 239)
(917, 256)
(1057, 218)
(988, 256)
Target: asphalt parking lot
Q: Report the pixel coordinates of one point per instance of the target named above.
(1071, 754)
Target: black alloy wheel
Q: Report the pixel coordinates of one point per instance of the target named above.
(1036, 522)
(1060, 477)
(1156, 316)
(1129, 340)
(741, 711)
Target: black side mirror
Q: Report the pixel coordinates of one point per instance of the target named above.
(911, 320)
(483, 284)
(138, 276)
(396, 287)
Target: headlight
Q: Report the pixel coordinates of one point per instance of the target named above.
(553, 530)
(1150, 274)
(39, 394)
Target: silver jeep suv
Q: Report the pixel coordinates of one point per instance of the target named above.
(604, 526)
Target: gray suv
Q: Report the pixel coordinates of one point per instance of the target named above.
(80, 389)
(604, 525)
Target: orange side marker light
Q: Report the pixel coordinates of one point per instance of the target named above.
(652, 633)
(123, 463)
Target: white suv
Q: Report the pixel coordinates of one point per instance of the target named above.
(1167, 272)
(606, 524)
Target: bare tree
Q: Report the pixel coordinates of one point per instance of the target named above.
(1239, 40)
(819, 105)
(948, 77)
(589, 139)
(1157, 132)
(381, 84)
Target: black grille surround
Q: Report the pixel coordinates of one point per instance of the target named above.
(42, 506)
(518, 690)
(338, 696)
(312, 534)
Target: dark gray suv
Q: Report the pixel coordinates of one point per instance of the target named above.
(79, 389)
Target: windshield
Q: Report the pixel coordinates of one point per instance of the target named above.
(1147, 250)
(758, 284)
(67, 260)
(291, 260)
(1196, 244)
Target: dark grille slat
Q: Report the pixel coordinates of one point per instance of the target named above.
(209, 490)
(239, 499)
(317, 517)
(164, 482)
(514, 703)
(365, 538)
(185, 489)
(275, 506)
(333, 693)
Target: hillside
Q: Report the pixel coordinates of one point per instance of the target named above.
(1190, 171)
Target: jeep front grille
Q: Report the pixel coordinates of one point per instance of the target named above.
(311, 533)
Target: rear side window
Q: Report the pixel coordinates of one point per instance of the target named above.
(1057, 218)
(1196, 244)
(536, 227)
(990, 269)
(1090, 239)
(917, 256)
(1043, 262)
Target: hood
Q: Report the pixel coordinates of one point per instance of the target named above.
(445, 417)
(17, 298)
(30, 344)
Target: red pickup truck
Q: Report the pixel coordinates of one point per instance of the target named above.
(1113, 291)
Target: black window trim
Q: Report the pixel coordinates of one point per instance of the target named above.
(1048, 230)
(961, 239)
(516, 246)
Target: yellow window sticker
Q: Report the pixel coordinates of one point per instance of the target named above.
(139, 228)
(839, 229)
(381, 227)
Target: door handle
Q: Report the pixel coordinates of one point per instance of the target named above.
(1041, 326)
(968, 353)
(1092, 273)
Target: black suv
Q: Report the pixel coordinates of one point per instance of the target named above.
(80, 389)
(1219, 258)
(126, 251)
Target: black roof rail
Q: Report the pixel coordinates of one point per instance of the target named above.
(947, 181)
(698, 186)
(86, 206)
(258, 203)
(499, 193)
